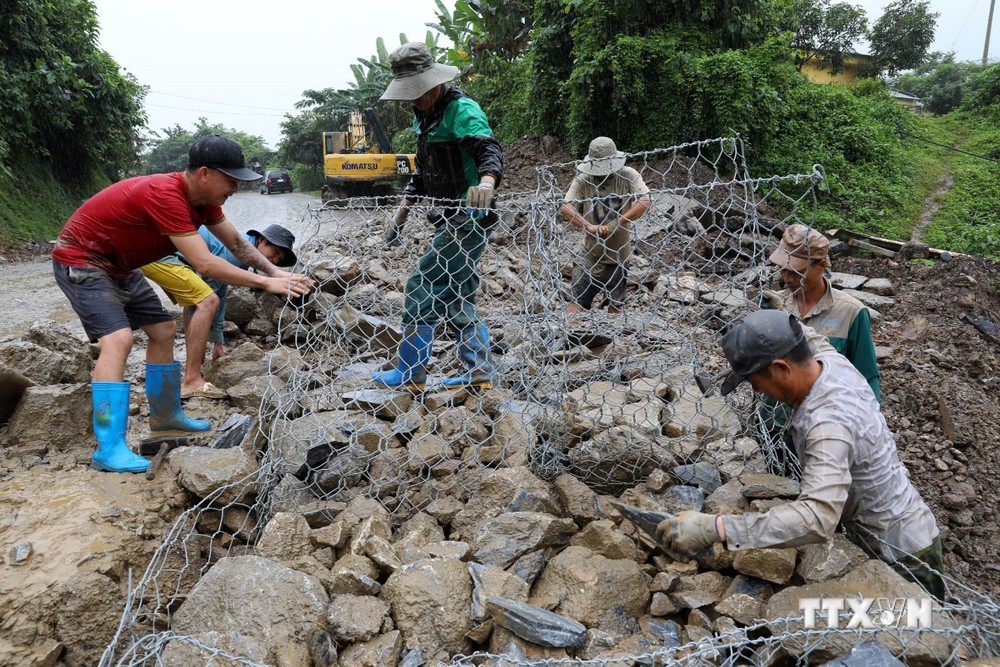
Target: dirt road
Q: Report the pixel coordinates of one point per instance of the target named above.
(30, 292)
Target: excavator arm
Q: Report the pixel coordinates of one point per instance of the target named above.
(376, 126)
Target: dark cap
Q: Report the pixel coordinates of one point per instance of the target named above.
(757, 340)
(281, 237)
(218, 152)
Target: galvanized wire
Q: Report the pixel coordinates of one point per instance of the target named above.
(610, 399)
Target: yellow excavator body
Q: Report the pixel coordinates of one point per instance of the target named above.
(352, 166)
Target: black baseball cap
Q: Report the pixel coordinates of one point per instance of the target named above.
(757, 340)
(281, 237)
(217, 152)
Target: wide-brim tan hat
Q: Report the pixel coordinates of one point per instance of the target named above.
(414, 72)
(602, 159)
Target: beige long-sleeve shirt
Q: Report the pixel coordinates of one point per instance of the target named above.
(601, 200)
(851, 473)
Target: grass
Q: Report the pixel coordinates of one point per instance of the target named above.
(969, 218)
(33, 205)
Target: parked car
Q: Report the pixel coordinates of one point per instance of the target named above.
(276, 180)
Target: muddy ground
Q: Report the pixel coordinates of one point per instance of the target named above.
(939, 380)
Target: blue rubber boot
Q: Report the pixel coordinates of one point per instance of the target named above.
(414, 354)
(474, 350)
(163, 391)
(110, 423)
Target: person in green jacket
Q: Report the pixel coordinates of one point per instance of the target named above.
(802, 257)
(459, 163)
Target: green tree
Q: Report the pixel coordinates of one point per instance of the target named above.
(940, 82)
(984, 89)
(824, 32)
(506, 27)
(169, 150)
(901, 37)
(62, 97)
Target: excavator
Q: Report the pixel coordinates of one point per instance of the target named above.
(352, 166)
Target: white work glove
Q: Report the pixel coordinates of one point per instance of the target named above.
(479, 196)
(687, 534)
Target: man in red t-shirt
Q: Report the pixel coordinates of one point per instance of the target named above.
(96, 261)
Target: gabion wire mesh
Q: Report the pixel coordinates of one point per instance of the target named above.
(611, 399)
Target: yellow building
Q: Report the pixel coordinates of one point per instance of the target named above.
(818, 70)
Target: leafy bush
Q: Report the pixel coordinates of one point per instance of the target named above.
(985, 89)
(508, 108)
(942, 84)
(856, 134)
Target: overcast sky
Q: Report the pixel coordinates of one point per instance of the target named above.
(245, 64)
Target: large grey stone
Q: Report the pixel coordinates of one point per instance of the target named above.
(286, 537)
(336, 273)
(493, 493)
(248, 394)
(384, 403)
(873, 580)
(56, 417)
(679, 497)
(430, 602)
(870, 299)
(829, 560)
(847, 280)
(307, 442)
(356, 618)
(535, 624)
(866, 654)
(245, 361)
(612, 460)
(588, 586)
(507, 537)
(488, 581)
(44, 366)
(382, 651)
(579, 501)
(699, 590)
(701, 474)
(764, 485)
(775, 565)
(263, 601)
(604, 538)
(227, 475)
(179, 653)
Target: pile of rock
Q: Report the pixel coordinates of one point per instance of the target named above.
(529, 569)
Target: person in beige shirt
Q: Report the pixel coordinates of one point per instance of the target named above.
(851, 472)
(604, 199)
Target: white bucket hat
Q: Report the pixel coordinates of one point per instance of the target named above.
(414, 72)
(602, 159)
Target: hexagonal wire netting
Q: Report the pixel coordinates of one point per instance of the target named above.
(612, 399)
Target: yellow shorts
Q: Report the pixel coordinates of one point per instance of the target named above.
(182, 285)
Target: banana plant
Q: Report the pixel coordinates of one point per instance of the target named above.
(464, 29)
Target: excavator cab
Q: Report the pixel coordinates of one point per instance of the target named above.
(354, 167)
